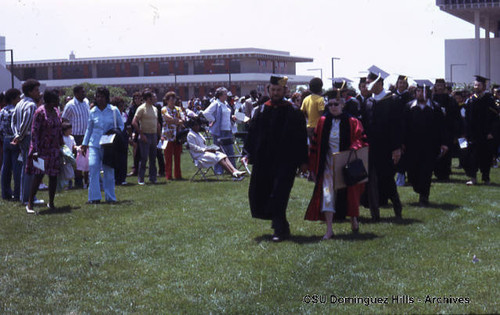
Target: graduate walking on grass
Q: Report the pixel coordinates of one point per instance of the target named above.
(276, 145)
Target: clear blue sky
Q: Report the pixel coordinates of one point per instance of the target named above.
(399, 36)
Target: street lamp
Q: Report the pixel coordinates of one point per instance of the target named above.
(11, 64)
(320, 70)
(333, 72)
(451, 69)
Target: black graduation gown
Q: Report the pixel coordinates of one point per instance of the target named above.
(451, 123)
(352, 107)
(383, 122)
(424, 135)
(276, 145)
(403, 99)
(481, 119)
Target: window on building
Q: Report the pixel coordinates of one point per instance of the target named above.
(151, 69)
(219, 66)
(199, 67)
(164, 68)
(134, 69)
(234, 66)
(29, 73)
(72, 72)
(42, 73)
(106, 70)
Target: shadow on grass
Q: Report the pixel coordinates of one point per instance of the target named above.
(58, 210)
(393, 220)
(302, 239)
(435, 205)
(449, 181)
(121, 202)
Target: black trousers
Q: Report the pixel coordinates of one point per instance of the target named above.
(442, 168)
(479, 156)
(420, 172)
(269, 198)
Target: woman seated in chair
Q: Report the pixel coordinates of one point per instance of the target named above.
(203, 155)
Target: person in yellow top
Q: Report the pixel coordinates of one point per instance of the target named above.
(172, 122)
(146, 124)
(313, 105)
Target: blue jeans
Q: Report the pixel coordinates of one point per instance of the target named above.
(11, 167)
(95, 166)
(148, 149)
(26, 179)
(228, 149)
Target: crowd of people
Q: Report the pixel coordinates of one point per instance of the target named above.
(411, 132)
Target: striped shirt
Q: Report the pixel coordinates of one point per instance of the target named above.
(23, 117)
(78, 115)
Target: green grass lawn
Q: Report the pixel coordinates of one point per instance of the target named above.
(192, 247)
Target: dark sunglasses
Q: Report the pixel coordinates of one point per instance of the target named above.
(334, 104)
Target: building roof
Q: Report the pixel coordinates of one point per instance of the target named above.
(202, 55)
(464, 9)
(185, 80)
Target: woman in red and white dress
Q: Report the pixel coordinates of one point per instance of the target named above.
(336, 131)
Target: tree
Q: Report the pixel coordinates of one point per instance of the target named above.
(90, 92)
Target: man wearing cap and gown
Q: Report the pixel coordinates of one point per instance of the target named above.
(403, 96)
(383, 123)
(276, 145)
(481, 129)
(424, 139)
(363, 96)
(451, 122)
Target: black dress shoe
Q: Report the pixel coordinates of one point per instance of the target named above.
(93, 202)
(279, 238)
(423, 201)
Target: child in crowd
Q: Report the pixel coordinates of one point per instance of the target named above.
(69, 141)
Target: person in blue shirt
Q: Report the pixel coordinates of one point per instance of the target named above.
(103, 117)
(11, 166)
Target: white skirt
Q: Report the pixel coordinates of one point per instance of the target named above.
(210, 159)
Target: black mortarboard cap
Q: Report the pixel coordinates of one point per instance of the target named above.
(278, 80)
(340, 85)
(481, 79)
(372, 76)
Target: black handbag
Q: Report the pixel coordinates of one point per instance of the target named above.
(354, 171)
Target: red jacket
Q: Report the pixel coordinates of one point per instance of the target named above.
(351, 137)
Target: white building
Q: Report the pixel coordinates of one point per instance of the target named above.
(465, 58)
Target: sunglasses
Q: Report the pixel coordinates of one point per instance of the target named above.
(334, 104)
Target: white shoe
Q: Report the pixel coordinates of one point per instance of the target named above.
(238, 173)
(141, 183)
(30, 211)
(471, 182)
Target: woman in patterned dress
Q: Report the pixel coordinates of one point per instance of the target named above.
(46, 142)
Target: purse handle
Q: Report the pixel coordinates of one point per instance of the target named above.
(355, 155)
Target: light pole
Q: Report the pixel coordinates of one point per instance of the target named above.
(320, 70)
(11, 64)
(333, 72)
(451, 69)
